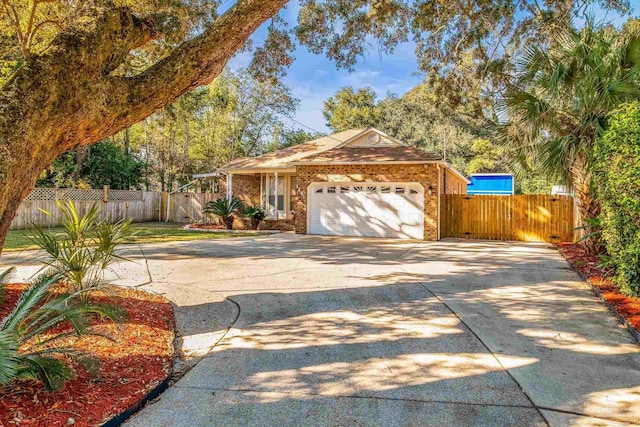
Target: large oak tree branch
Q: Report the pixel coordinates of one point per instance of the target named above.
(197, 62)
(68, 97)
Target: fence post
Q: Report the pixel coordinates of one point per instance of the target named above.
(105, 193)
(163, 205)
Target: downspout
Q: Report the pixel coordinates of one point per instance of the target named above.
(439, 211)
(175, 191)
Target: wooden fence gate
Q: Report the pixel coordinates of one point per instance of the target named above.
(529, 218)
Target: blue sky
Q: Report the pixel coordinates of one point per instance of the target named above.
(313, 78)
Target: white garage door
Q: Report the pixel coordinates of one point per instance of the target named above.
(366, 209)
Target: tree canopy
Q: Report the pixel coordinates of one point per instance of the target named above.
(349, 109)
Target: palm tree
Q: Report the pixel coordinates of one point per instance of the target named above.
(84, 250)
(557, 106)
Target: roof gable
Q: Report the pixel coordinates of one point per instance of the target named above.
(371, 138)
(283, 158)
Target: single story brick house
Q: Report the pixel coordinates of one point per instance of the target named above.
(360, 182)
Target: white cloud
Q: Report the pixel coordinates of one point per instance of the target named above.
(360, 78)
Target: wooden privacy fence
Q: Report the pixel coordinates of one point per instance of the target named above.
(530, 218)
(187, 207)
(139, 206)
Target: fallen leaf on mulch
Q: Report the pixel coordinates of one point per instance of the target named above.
(137, 360)
(628, 307)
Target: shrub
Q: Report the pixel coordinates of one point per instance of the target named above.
(617, 169)
(256, 214)
(30, 336)
(224, 208)
(87, 247)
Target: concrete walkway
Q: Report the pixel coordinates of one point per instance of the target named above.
(292, 330)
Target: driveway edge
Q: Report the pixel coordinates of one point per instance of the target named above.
(634, 333)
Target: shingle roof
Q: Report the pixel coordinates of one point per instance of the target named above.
(285, 157)
(371, 154)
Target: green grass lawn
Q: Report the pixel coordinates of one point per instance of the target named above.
(145, 232)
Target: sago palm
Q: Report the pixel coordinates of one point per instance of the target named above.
(557, 107)
(224, 208)
(30, 340)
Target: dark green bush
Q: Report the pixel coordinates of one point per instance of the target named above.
(617, 171)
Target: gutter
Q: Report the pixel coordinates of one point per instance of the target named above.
(390, 162)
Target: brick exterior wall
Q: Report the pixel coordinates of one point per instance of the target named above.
(426, 175)
(246, 188)
(281, 224)
(452, 183)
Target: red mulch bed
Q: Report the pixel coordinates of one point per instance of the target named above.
(627, 307)
(138, 360)
(208, 226)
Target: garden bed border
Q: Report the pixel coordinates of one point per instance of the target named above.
(224, 230)
(117, 420)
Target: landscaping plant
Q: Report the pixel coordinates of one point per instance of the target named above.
(224, 208)
(31, 337)
(256, 214)
(617, 169)
(87, 248)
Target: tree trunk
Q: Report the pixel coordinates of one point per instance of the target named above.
(24, 173)
(81, 155)
(68, 97)
(588, 205)
(127, 142)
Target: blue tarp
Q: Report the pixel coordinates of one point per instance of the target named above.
(490, 184)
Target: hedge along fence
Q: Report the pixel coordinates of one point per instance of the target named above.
(139, 206)
(617, 169)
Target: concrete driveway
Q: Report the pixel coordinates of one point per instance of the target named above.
(293, 330)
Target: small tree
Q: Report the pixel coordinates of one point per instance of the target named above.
(224, 208)
(617, 169)
(87, 248)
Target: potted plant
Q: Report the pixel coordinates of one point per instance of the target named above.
(224, 208)
(256, 214)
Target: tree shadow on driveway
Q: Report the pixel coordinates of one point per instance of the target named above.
(433, 334)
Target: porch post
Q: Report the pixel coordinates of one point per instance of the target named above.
(229, 185)
(262, 196)
(276, 194)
